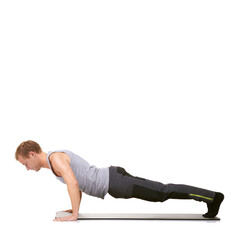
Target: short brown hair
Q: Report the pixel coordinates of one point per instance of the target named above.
(28, 146)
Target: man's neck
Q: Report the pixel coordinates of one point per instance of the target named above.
(43, 158)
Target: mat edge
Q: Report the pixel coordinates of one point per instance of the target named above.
(91, 217)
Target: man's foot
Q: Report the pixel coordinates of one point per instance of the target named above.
(213, 207)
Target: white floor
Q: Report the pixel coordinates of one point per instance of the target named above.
(42, 228)
(40, 225)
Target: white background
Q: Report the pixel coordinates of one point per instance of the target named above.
(152, 86)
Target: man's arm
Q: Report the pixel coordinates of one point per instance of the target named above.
(70, 210)
(60, 165)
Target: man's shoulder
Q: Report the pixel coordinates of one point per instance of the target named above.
(59, 156)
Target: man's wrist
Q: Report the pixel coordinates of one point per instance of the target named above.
(75, 214)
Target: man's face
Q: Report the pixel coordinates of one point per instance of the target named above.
(32, 162)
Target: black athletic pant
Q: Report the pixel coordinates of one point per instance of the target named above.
(124, 185)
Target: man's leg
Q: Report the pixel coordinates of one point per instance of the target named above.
(124, 185)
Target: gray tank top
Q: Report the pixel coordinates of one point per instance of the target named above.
(91, 180)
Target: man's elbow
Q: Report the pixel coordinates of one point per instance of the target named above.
(73, 184)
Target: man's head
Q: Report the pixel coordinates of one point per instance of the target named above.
(28, 153)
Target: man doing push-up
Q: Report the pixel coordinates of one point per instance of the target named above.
(80, 177)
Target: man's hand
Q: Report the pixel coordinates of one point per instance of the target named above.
(72, 217)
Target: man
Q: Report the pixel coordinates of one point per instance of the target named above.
(80, 177)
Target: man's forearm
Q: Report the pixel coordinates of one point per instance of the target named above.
(75, 196)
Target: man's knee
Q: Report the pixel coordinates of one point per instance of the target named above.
(147, 194)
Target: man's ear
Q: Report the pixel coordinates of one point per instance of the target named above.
(31, 154)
